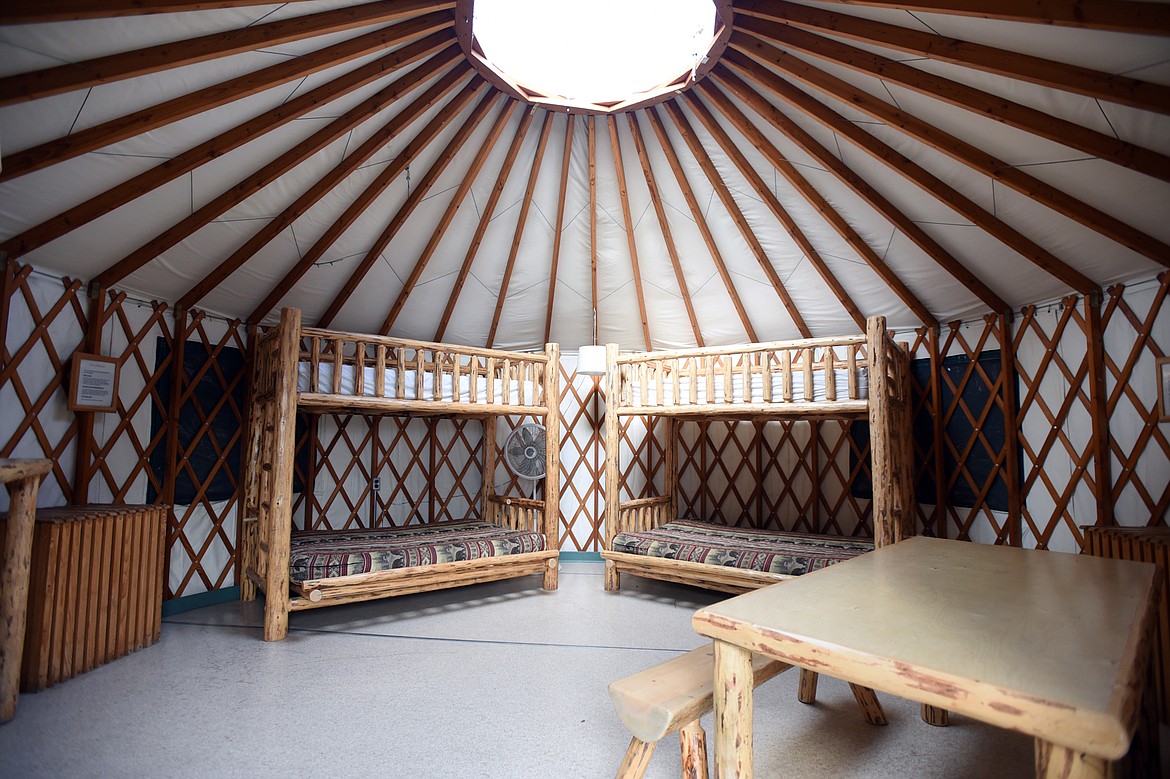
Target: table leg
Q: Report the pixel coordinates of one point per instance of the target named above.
(733, 687)
(1057, 762)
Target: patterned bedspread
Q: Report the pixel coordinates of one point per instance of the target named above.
(772, 551)
(327, 554)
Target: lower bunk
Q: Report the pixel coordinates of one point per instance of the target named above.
(327, 568)
(713, 556)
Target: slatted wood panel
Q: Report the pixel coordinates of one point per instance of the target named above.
(95, 591)
(1147, 545)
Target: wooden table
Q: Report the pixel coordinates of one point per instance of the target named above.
(1044, 643)
(22, 478)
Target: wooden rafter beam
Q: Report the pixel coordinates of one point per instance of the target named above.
(664, 225)
(31, 11)
(477, 163)
(485, 219)
(901, 164)
(269, 173)
(628, 225)
(560, 227)
(416, 196)
(525, 206)
(221, 144)
(765, 193)
(19, 163)
(974, 157)
(436, 93)
(977, 101)
(853, 238)
(115, 67)
(701, 220)
(1048, 73)
(1118, 15)
(737, 216)
(355, 209)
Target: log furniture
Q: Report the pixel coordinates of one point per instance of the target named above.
(21, 478)
(323, 371)
(95, 589)
(987, 633)
(854, 377)
(671, 697)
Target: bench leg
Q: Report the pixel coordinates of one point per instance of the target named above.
(613, 581)
(933, 715)
(550, 574)
(807, 690)
(871, 707)
(636, 759)
(692, 743)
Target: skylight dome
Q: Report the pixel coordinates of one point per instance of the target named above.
(600, 55)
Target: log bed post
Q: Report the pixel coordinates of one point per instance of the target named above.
(552, 455)
(612, 448)
(889, 437)
(491, 451)
(276, 506)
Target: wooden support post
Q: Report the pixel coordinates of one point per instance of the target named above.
(1098, 400)
(940, 491)
(174, 409)
(1011, 461)
(552, 454)
(881, 411)
(612, 452)
(491, 452)
(806, 691)
(670, 483)
(90, 345)
(277, 514)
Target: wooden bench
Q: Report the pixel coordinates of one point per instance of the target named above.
(672, 696)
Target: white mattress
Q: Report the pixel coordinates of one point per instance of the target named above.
(840, 376)
(348, 385)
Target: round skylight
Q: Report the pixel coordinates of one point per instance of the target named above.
(596, 53)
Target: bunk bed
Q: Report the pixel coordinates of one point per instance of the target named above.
(318, 371)
(853, 377)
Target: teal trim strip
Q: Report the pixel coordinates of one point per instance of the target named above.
(192, 602)
(581, 557)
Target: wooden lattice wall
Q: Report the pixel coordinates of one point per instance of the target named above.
(1068, 402)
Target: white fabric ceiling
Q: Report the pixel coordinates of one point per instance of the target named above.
(91, 247)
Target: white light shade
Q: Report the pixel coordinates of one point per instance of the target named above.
(591, 360)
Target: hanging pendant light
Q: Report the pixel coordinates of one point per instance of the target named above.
(591, 360)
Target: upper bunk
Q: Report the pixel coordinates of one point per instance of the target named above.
(340, 372)
(817, 377)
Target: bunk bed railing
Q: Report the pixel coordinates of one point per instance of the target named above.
(644, 514)
(339, 363)
(516, 513)
(813, 370)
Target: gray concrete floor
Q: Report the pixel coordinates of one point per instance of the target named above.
(494, 680)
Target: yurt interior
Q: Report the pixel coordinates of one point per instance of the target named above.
(584, 388)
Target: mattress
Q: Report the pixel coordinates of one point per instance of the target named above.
(324, 555)
(756, 388)
(771, 551)
(411, 384)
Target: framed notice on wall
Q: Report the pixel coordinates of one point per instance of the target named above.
(93, 385)
(1163, 370)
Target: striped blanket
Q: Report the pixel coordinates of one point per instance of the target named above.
(772, 551)
(323, 555)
